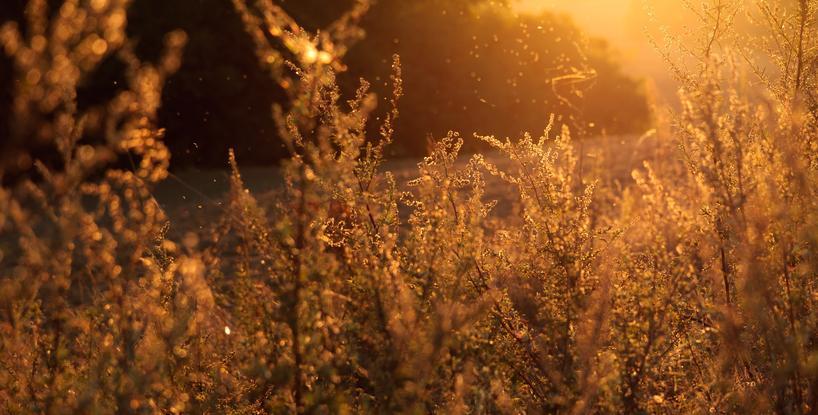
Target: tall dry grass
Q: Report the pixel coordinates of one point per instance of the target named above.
(689, 288)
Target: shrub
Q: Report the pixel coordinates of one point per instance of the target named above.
(689, 288)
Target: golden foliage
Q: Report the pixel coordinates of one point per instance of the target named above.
(690, 289)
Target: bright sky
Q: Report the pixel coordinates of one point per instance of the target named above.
(606, 18)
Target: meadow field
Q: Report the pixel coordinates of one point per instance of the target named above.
(625, 256)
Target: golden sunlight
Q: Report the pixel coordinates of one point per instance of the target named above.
(405, 206)
(632, 27)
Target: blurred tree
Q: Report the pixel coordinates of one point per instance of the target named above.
(469, 65)
(474, 66)
(220, 98)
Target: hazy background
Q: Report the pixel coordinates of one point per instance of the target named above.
(484, 66)
(634, 29)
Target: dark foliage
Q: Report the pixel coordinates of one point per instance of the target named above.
(450, 49)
